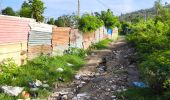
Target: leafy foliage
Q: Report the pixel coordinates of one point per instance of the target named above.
(51, 21)
(33, 9)
(110, 21)
(151, 40)
(8, 11)
(102, 44)
(25, 10)
(67, 21)
(89, 23)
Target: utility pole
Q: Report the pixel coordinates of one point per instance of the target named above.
(78, 8)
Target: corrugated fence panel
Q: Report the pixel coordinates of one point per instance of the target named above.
(40, 40)
(16, 51)
(60, 40)
(13, 29)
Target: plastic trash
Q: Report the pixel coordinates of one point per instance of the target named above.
(13, 91)
(139, 84)
(60, 69)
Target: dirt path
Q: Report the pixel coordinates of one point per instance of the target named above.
(106, 73)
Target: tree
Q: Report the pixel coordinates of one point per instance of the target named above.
(110, 21)
(8, 11)
(51, 21)
(33, 9)
(89, 23)
(37, 10)
(67, 21)
(25, 10)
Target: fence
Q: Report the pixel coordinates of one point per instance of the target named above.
(22, 38)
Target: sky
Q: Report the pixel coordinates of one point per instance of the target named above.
(55, 8)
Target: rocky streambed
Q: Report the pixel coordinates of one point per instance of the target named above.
(106, 73)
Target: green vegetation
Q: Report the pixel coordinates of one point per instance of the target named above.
(43, 68)
(89, 23)
(8, 11)
(140, 94)
(110, 21)
(67, 21)
(151, 39)
(102, 44)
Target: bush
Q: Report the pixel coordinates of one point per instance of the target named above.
(102, 44)
(43, 68)
(156, 70)
(89, 23)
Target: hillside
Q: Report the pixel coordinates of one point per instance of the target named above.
(136, 15)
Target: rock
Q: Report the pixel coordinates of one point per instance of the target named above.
(75, 98)
(45, 85)
(113, 97)
(99, 79)
(131, 66)
(38, 83)
(13, 91)
(82, 95)
(60, 69)
(78, 77)
(64, 97)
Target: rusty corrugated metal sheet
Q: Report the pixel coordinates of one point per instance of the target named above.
(34, 51)
(60, 39)
(16, 51)
(13, 29)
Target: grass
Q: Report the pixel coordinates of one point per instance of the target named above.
(102, 44)
(142, 94)
(43, 68)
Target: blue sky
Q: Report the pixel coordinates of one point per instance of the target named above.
(56, 8)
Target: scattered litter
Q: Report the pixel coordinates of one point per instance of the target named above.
(38, 83)
(34, 89)
(25, 95)
(13, 91)
(45, 85)
(139, 84)
(78, 77)
(60, 69)
(70, 65)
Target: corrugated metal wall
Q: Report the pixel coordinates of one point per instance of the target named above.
(40, 40)
(13, 29)
(60, 39)
(76, 39)
(13, 38)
